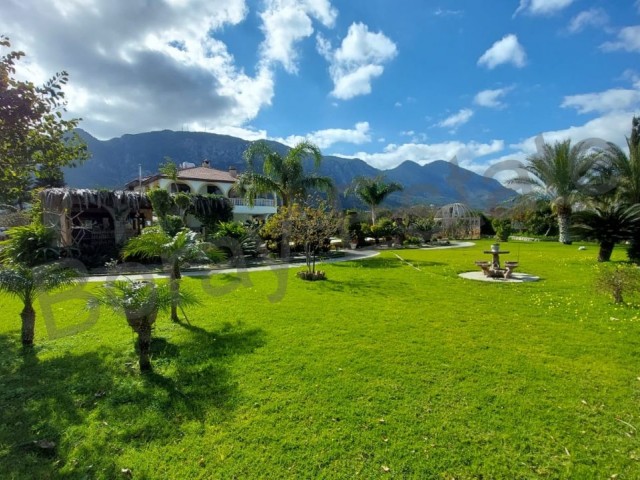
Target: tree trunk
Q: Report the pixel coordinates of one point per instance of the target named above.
(373, 215)
(564, 222)
(606, 249)
(174, 286)
(144, 346)
(28, 316)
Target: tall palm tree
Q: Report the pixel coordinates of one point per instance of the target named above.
(283, 175)
(373, 191)
(562, 174)
(175, 250)
(27, 282)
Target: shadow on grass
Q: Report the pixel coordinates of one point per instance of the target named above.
(41, 402)
(73, 415)
(386, 263)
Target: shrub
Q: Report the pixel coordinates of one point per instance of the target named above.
(618, 280)
(28, 245)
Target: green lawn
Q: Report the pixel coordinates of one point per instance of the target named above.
(382, 371)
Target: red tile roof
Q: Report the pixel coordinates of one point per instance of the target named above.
(206, 174)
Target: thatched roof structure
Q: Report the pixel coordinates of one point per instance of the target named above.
(60, 199)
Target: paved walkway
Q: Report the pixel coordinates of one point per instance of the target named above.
(350, 255)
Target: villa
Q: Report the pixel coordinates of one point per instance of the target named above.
(204, 180)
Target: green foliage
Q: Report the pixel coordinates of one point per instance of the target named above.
(384, 228)
(210, 210)
(230, 230)
(561, 174)
(502, 227)
(373, 191)
(27, 283)
(160, 201)
(169, 168)
(138, 297)
(35, 140)
(29, 245)
(607, 223)
(171, 224)
(283, 175)
(618, 280)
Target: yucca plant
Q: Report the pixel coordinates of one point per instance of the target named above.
(140, 302)
(27, 283)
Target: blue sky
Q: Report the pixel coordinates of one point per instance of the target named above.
(381, 80)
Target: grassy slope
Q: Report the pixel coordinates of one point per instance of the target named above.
(380, 367)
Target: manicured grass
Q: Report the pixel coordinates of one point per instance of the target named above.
(382, 371)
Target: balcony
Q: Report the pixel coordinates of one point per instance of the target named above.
(258, 202)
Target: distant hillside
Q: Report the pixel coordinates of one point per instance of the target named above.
(114, 162)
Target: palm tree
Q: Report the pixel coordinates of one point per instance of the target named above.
(373, 191)
(140, 302)
(283, 175)
(608, 222)
(625, 171)
(562, 174)
(26, 283)
(175, 250)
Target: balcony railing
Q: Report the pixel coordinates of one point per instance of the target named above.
(258, 202)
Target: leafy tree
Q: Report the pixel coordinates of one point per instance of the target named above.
(283, 175)
(35, 139)
(175, 251)
(308, 228)
(140, 302)
(617, 280)
(562, 173)
(608, 223)
(373, 191)
(26, 283)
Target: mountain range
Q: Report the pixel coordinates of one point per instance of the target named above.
(118, 160)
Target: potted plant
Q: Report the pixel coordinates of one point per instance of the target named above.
(140, 302)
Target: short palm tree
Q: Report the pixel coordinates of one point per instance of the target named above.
(26, 283)
(283, 175)
(175, 251)
(608, 223)
(140, 302)
(373, 191)
(562, 174)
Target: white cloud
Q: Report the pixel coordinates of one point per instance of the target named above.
(611, 127)
(359, 59)
(628, 40)
(457, 119)
(326, 138)
(422, 153)
(140, 66)
(440, 12)
(542, 7)
(594, 17)
(286, 22)
(607, 101)
(506, 50)
(491, 98)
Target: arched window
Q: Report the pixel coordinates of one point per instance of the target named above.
(214, 190)
(180, 187)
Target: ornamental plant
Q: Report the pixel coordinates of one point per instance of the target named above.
(140, 302)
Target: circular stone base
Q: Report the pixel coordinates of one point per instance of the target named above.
(515, 277)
